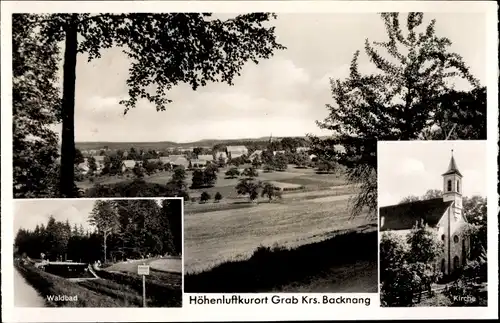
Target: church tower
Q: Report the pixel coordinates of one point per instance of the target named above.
(452, 186)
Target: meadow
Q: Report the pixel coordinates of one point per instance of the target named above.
(223, 239)
(307, 178)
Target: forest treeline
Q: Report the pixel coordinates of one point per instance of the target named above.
(121, 229)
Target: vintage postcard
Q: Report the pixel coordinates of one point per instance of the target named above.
(265, 122)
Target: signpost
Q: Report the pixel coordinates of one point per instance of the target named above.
(143, 270)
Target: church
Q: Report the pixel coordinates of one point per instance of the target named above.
(444, 214)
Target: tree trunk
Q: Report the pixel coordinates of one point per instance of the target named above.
(66, 180)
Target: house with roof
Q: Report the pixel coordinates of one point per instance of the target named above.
(179, 161)
(206, 158)
(198, 163)
(236, 151)
(83, 167)
(255, 154)
(128, 164)
(165, 159)
(301, 149)
(99, 160)
(153, 160)
(444, 214)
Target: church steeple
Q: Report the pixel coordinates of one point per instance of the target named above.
(452, 168)
(452, 184)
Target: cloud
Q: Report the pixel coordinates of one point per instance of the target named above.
(409, 166)
(266, 97)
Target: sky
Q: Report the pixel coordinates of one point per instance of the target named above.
(30, 213)
(412, 167)
(284, 95)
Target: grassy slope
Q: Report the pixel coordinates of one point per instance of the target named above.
(113, 289)
(224, 235)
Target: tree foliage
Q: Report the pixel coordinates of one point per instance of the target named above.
(248, 186)
(233, 172)
(407, 267)
(134, 229)
(204, 178)
(250, 172)
(205, 197)
(105, 218)
(398, 102)
(392, 254)
(35, 106)
(425, 245)
(280, 162)
(270, 191)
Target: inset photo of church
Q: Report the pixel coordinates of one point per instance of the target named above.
(433, 223)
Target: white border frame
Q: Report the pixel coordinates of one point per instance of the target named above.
(245, 312)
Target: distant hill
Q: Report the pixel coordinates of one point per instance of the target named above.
(170, 144)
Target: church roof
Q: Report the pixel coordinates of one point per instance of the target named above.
(404, 216)
(452, 168)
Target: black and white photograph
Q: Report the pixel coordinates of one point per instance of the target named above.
(265, 123)
(433, 223)
(98, 253)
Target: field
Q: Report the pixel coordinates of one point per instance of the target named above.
(306, 178)
(221, 235)
(323, 266)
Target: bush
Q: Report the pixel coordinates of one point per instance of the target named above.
(218, 197)
(204, 197)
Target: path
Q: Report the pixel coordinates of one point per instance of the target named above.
(24, 294)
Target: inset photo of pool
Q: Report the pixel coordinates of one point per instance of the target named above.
(98, 252)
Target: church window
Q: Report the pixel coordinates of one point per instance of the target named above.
(443, 266)
(458, 186)
(449, 186)
(456, 262)
(455, 239)
(442, 237)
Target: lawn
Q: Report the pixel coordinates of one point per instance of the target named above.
(224, 235)
(173, 265)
